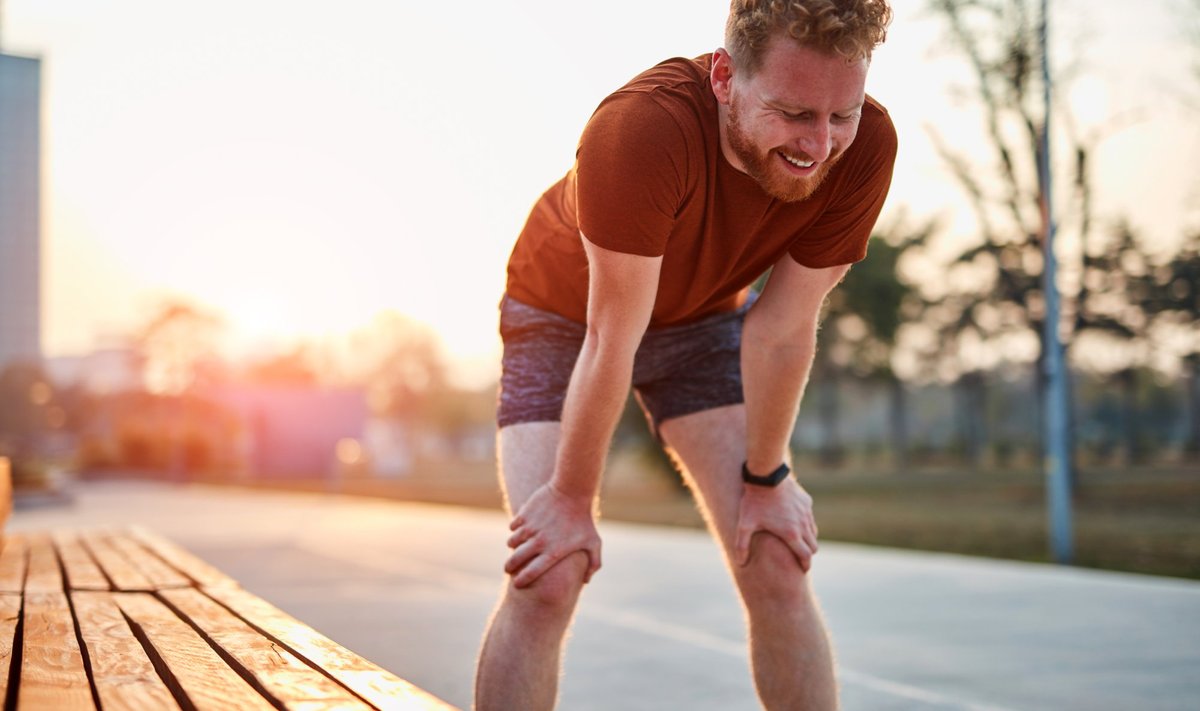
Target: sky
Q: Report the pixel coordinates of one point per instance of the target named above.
(299, 167)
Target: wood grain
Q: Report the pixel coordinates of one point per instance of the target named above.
(10, 613)
(82, 572)
(200, 572)
(52, 671)
(124, 676)
(277, 670)
(44, 575)
(212, 649)
(208, 682)
(6, 490)
(13, 562)
(119, 569)
(373, 683)
(148, 563)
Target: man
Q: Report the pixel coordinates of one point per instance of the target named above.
(690, 182)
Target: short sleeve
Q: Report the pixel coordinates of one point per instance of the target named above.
(630, 175)
(840, 234)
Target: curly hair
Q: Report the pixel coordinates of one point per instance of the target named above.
(850, 28)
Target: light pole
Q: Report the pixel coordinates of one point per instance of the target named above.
(1056, 436)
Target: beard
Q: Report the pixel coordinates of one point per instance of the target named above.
(764, 166)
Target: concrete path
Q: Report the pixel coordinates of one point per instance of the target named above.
(410, 587)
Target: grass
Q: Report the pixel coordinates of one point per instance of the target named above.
(1143, 521)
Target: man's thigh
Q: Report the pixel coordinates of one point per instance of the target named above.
(526, 457)
(710, 446)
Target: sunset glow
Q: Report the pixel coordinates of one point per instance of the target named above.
(298, 169)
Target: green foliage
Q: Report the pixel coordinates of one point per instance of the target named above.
(29, 403)
(874, 291)
(863, 315)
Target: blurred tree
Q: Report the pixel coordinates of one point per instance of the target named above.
(1171, 293)
(26, 393)
(1111, 324)
(993, 307)
(862, 323)
(292, 368)
(402, 362)
(177, 348)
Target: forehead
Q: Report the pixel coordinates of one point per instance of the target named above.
(805, 78)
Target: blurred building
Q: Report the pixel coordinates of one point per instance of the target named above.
(293, 432)
(20, 209)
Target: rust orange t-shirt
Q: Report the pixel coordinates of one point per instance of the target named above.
(650, 179)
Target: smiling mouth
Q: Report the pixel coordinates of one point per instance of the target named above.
(796, 161)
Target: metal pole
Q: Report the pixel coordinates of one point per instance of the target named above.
(1056, 435)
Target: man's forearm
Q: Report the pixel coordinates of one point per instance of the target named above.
(775, 370)
(595, 398)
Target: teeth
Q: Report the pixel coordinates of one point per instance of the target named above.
(797, 162)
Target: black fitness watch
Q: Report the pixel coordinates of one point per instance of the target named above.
(772, 479)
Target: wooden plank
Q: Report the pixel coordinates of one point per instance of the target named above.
(10, 613)
(52, 671)
(160, 575)
(207, 681)
(6, 491)
(124, 676)
(123, 574)
(44, 575)
(13, 562)
(373, 683)
(82, 572)
(197, 570)
(276, 670)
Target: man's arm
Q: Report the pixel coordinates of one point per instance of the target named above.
(557, 519)
(778, 345)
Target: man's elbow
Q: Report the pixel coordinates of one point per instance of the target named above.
(795, 335)
(608, 347)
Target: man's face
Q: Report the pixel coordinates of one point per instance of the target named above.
(786, 124)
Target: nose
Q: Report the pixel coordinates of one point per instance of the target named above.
(817, 140)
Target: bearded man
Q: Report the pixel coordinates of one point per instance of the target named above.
(690, 182)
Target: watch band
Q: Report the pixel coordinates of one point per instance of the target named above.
(771, 479)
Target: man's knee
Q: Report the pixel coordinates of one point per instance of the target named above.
(557, 589)
(773, 575)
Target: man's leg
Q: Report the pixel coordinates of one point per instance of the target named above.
(519, 664)
(789, 648)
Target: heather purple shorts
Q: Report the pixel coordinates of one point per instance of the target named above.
(677, 370)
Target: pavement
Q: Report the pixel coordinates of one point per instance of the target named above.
(410, 586)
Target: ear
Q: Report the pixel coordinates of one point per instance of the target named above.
(721, 75)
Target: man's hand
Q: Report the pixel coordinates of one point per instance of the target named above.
(785, 511)
(549, 527)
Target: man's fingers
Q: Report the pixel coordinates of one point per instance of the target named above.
(530, 573)
(516, 523)
(801, 550)
(593, 564)
(812, 543)
(519, 537)
(808, 534)
(524, 553)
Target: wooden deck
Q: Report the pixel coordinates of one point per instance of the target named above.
(125, 619)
